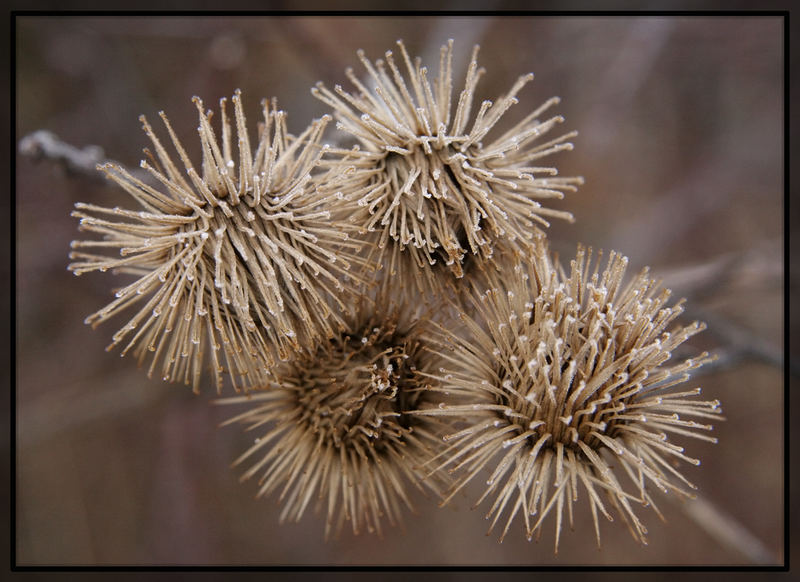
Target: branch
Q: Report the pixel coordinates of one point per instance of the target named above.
(760, 266)
(44, 144)
(726, 530)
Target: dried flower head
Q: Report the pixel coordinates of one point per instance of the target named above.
(240, 258)
(338, 429)
(427, 184)
(565, 384)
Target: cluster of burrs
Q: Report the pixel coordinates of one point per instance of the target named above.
(389, 310)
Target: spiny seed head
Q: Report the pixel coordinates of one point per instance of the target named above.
(235, 263)
(339, 429)
(565, 383)
(426, 183)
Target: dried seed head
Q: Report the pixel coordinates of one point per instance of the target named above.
(427, 184)
(339, 430)
(238, 262)
(566, 384)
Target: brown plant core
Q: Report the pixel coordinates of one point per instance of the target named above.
(355, 390)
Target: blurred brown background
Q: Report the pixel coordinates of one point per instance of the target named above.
(681, 134)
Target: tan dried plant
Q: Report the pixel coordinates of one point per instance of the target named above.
(335, 425)
(564, 386)
(557, 384)
(236, 263)
(427, 184)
